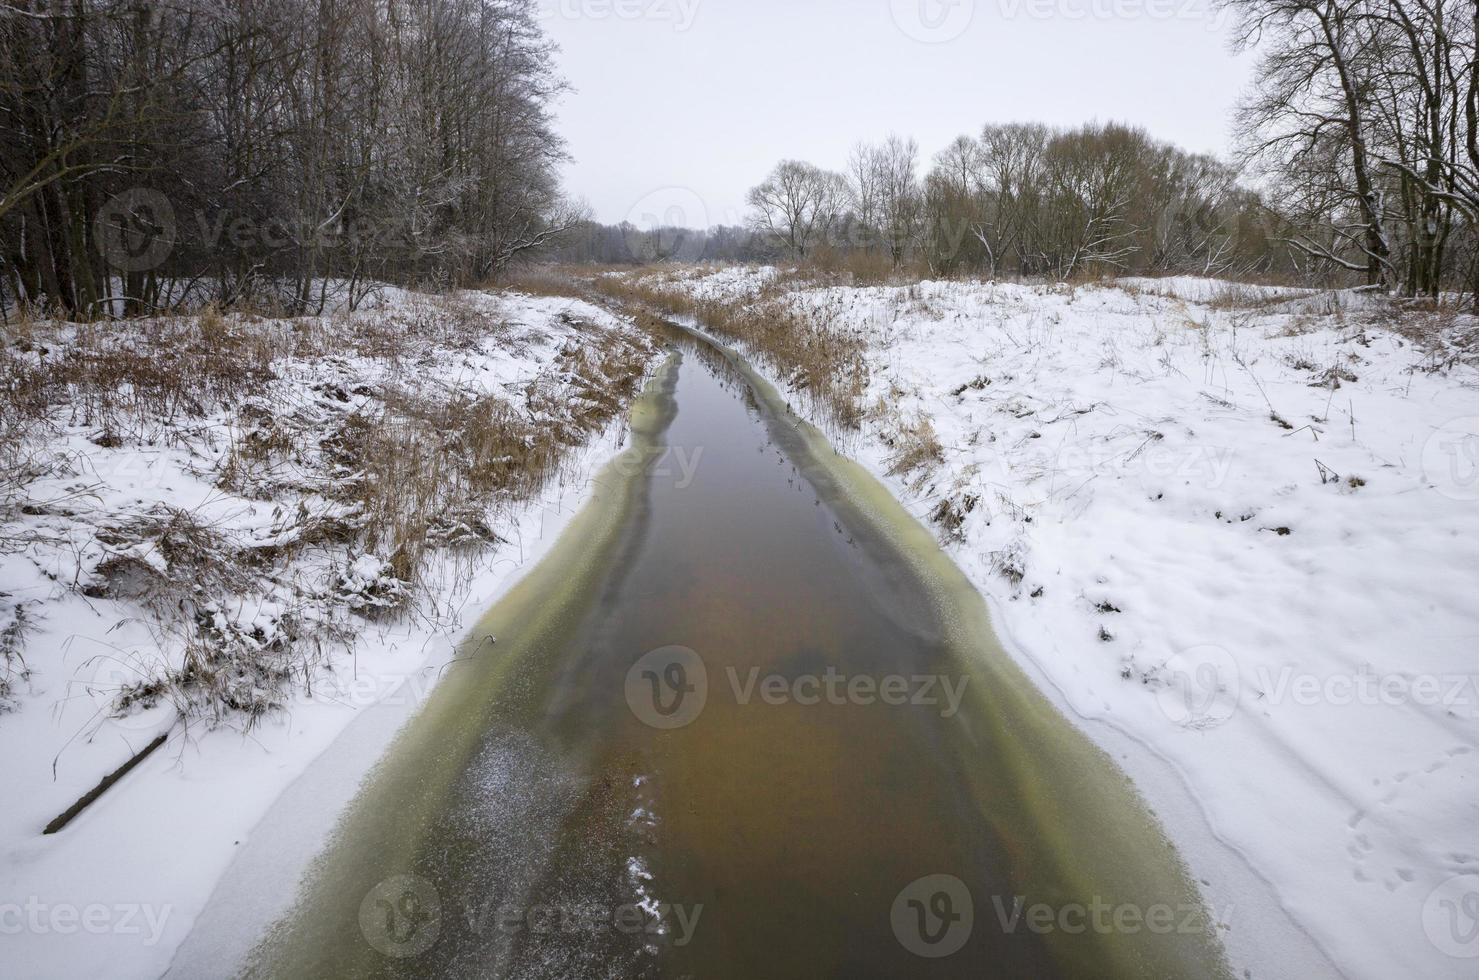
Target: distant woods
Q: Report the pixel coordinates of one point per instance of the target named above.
(1358, 160)
(1357, 163)
(1024, 200)
(1029, 200)
(252, 150)
(1016, 200)
(256, 148)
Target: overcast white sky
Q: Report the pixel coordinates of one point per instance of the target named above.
(682, 105)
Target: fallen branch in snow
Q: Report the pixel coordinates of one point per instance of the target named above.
(88, 798)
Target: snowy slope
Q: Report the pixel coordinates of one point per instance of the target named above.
(115, 893)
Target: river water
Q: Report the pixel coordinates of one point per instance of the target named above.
(745, 721)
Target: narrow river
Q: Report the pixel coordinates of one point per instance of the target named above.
(745, 721)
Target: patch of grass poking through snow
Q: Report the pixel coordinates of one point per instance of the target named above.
(12, 659)
(950, 516)
(978, 383)
(915, 445)
(1010, 562)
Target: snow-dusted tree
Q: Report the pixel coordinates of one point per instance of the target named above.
(1011, 180)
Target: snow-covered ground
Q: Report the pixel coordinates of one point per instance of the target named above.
(1234, 524)
(1239, 526)
(88, 534)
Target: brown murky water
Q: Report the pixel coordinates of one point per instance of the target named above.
(745, 722)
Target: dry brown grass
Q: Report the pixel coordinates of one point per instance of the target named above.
(132, 383)
(184, 575)
(814, 352)
(915, 446)
(1446, 332)
(431, 467)
(541, 280)
(401, 469)
(857, 267)
(1235, 296)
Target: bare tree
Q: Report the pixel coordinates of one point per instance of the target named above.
(886, 185)
(798, 204)
(269, 146)
(863, 176)
(1309, 116)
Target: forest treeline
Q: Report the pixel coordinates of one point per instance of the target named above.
(1025, 200)
(256, 148)
(1019, 199)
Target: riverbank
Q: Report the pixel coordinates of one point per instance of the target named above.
(1227, 530)
(540, 782)
(244, 534)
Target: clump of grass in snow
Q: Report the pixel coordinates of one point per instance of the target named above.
(12, 659)
(213, 599)
(1010, 562)
(950, 515)
(916, 446)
